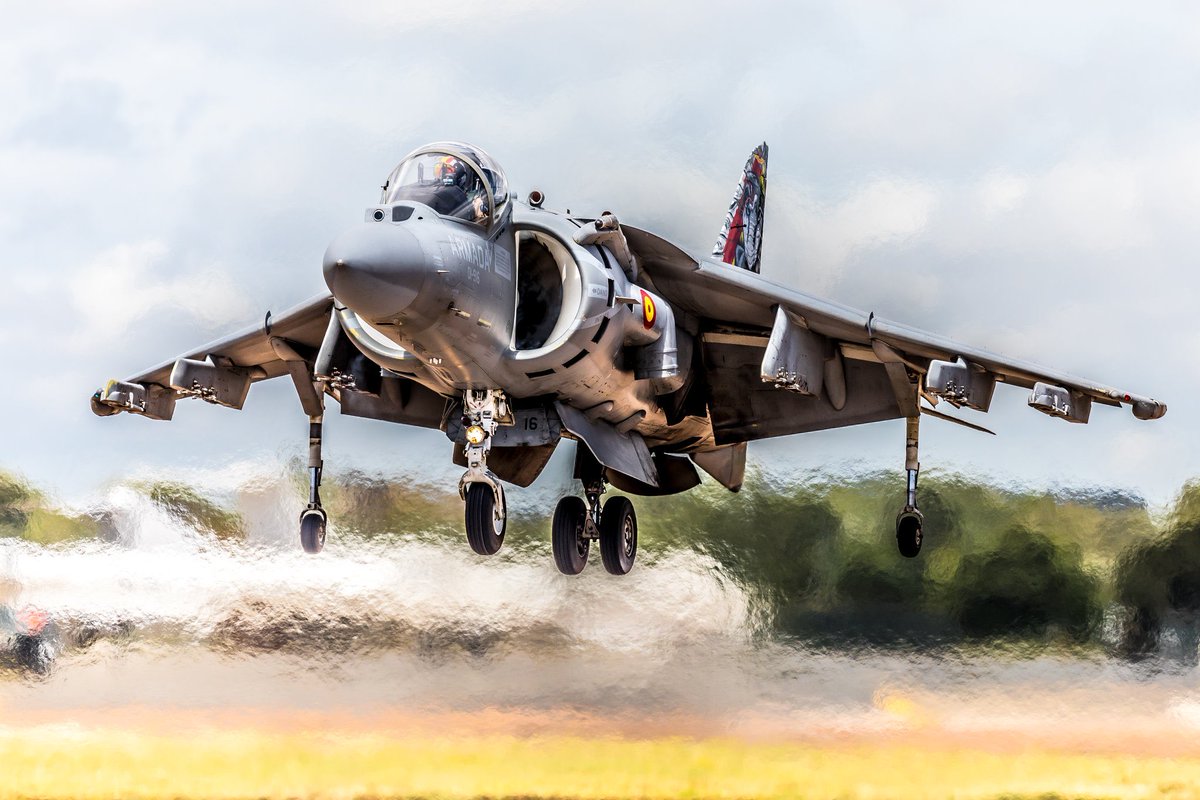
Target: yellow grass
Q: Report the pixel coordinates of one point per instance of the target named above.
(65, 761)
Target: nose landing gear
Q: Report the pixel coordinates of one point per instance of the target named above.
(486, 513)
(910, 519)
(485, 518)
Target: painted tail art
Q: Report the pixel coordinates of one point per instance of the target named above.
(740, 242)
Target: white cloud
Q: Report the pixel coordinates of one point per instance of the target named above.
(831, 239)
(999, 193)
(118, 288)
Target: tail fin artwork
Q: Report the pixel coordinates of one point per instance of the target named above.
(740, 242)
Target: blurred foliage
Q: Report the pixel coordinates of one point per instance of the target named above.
(189, 506)
(995, 562)
(369, 505)
(1025, 584)
(46, 526)
(26, 513)
(1159, 578)
(14, 498)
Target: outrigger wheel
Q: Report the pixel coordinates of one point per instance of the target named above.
(485, 527)
(618, 535)
(910, 519)
(313, 519)
(568, 537)
(312, 529)
(908, 532)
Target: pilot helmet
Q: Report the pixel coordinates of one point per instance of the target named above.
(449, 171)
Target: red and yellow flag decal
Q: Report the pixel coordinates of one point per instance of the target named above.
(649, 312)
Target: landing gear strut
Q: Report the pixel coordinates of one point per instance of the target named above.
(577, 523)
(910, 519)
(486, 513)
(313, 518)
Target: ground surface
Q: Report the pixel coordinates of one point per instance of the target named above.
(105, 762)
(188, 722)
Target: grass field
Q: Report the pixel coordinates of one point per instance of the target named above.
(70, 761)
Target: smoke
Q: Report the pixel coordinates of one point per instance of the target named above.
(172, 565)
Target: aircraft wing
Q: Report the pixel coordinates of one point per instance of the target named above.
(758, 337)
(222, 371)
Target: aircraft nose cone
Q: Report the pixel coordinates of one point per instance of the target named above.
(376, 269)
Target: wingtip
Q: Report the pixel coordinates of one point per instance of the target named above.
(99, 407)
(1149, 409)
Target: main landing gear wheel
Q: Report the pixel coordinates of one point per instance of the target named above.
(485, 527)
(618, 535)
(908, 532)
(312, 529)
(568, 538)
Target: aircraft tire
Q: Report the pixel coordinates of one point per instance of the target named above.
(618, 535)
(909, 533)
(312, 530)
(485, 533)
(567, 541)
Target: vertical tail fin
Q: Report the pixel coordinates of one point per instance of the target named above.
(740, 242)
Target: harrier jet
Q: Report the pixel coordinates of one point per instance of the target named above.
(510, 326)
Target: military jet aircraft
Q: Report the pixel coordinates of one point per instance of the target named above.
(509, 326)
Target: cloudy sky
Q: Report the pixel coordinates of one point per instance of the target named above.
(1020, 176)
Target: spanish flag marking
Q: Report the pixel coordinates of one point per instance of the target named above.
(649, 313)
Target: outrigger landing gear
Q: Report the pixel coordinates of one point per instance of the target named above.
(313, 518)
(577, 523)
(910, 519)
(486, 513)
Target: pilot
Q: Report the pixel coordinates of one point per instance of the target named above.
(461, 189)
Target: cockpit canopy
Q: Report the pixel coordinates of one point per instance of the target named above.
(454, 179)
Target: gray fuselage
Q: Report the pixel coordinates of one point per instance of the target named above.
(525, 308)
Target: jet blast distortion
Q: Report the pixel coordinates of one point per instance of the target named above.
(509, 326)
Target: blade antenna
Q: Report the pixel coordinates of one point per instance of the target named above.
(955, 420)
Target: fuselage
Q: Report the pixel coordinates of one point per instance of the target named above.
(524, 307)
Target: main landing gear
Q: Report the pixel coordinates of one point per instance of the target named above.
(577, 523)
(910, 519)
(486, 513)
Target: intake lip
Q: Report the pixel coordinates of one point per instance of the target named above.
(375, 269)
